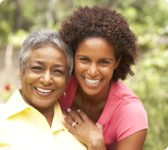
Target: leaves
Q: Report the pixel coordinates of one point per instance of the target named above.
(150, 85)
(148, 19)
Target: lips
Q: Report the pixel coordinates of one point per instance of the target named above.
(43, 92)
(92, 83)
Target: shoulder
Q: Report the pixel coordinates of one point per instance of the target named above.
(127, 100)
(131, 117)
(72, 80)
(120, 90)
(130, 109)
(119, 96)
(67, 97)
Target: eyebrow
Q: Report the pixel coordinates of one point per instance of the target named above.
(55, 65)
(101, 58)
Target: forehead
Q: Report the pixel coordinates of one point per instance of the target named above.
(48, 54)
(95, 45)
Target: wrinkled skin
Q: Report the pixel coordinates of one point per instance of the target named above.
(92, 134)
(84, 130)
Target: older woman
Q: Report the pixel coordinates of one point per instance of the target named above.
(104, 48)
(32, 118)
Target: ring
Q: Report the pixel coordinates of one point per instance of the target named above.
(74, 123)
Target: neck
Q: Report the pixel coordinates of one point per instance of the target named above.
(94, 99)
(48, 114)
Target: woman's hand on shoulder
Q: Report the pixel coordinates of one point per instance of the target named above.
(133, 142)
(84, 129)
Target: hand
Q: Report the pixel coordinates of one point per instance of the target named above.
(84, 130)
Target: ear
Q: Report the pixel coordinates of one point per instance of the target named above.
(118, 62)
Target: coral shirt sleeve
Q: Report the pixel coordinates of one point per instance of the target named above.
(131, 118)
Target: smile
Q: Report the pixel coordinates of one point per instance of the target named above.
(43, 91)
(92, 82)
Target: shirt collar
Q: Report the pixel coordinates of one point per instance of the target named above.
(57, 119)
(16, 104)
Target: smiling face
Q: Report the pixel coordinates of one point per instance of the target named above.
(44, 78)
(94, 65)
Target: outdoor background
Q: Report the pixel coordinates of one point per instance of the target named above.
(147, 18)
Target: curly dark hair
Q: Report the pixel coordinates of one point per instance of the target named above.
(102, 22)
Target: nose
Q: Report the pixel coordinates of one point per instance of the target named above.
(46, 78)
(93, 70)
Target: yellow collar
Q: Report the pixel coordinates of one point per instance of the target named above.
(16, 104)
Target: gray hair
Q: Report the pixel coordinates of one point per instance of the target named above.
(40, 39)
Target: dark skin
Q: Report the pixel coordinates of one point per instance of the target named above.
(45, 69)
(85, 130)
(92, 134)
(94, 66)
(91, 108)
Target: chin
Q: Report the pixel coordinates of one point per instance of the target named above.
(91, 92)
(43, 105)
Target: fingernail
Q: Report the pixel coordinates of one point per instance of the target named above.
(78, 110)
(64, 116)
(68, 110)
(63, 121)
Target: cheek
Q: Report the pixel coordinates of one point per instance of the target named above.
(25, 80)
(80, 67)
(108, 72)
(61, 83)
(30, 77)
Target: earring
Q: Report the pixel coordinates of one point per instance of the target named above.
(64, 94)
(20, 86)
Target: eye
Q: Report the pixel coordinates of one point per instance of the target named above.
(84, 59)
(37, 68)
(58, 71)
(104, 62)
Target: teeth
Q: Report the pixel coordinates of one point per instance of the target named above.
(44, 91)
(93, 82)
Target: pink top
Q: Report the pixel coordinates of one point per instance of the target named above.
(122, 116)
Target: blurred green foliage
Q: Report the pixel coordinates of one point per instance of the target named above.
(150, 85)
(5, 95)
(148, 19)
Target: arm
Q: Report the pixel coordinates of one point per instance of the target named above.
(133, 142)
(129, 139)
(85, 130)
(131, 126)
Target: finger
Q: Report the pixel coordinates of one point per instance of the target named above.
(64, 113)
(99, 126)
(67, 118)
(69, 127)
(75, 116)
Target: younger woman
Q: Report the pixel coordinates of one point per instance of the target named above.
(104, 49)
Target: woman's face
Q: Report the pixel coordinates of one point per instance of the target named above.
(94, 65)
(44, 78)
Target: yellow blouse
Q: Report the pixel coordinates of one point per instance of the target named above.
(24, 128)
